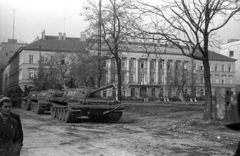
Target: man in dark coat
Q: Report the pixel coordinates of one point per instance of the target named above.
(236, 126)
(19, 125)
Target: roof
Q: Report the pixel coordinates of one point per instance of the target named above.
(51, 43)
(218, 57)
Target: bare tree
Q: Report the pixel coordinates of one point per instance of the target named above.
(116, 28)
(192, 24)
(181, 77)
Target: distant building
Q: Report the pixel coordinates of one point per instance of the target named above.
(232, 49)
(7, 51)
(22, 66)
(148, 74)
(145, 73)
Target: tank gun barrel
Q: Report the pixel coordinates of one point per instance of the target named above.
(102, 88)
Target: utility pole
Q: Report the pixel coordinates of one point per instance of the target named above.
(99, 43)
(13, 21)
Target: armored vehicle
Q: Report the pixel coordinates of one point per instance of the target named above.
(42, 102)
(86, 102)
(27, 101)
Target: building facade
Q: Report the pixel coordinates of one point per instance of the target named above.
(232, 49)
(22, 66)
(7, 51)
(149, 74)
(144, 73)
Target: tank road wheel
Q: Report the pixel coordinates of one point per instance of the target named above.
(70, 117)
(57, 112)
(54, 112)
(60, 114)
(63, 114)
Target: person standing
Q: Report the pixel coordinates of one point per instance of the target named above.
(10, 143)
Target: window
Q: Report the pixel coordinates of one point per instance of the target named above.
(223, 67)
(31, 73)
(201, 68)
(153, 77)
(216, 67)
(185, 91)
(229, 68)
(142, 77)
(223, 79)
(231, 53)
(230, 79)
(30, 58)
(161, 92)
(216, 78)
(142, 64)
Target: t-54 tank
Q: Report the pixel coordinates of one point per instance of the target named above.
(42, 102)
(26, 101)
(86, 101)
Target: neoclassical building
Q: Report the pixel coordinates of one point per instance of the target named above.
(149, 73)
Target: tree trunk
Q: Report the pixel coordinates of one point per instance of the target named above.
(119, 80)
(207, 113)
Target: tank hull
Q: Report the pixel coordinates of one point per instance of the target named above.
(95, 111)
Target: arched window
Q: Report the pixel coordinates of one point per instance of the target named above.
(133, 92)
(161, 92)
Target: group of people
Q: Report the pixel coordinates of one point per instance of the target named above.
(11, 134)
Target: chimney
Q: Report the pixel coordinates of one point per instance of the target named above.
(59, 36)
(37, 38)
(83, 37)
(64, 36)
(43, 35)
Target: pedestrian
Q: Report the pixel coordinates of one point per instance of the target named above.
(10, 143)
(236, 126)
(19, 123)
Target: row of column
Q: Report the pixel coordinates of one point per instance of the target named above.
(137, 70)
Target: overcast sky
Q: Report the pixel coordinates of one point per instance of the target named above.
(34, 16)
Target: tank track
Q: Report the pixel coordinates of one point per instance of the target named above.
(62, 113)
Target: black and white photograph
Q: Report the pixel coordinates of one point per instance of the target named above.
(120, 78)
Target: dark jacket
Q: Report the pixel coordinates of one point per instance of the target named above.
(9, 137)
(19, 123)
